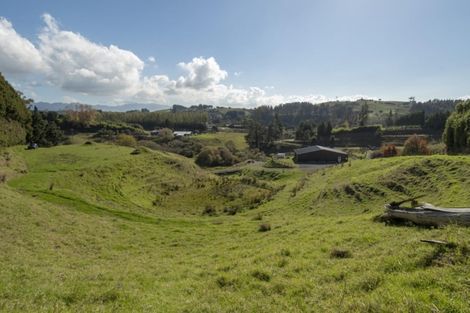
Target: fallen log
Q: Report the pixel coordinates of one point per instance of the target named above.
(434, 242)
(427, 214)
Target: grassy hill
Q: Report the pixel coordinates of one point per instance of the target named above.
(83, 230)
(152, 183)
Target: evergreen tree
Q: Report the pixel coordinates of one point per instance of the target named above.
(275, 129)
(389, 119)
(306, 132)
(328, 129)
(321, 130)
(44, 129)
(258, 136)
(38, 128)
(53, 135)
(364, 114)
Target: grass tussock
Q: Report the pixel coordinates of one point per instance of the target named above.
(260, 275)
(340, 254)
(264, 227)
(446, 255)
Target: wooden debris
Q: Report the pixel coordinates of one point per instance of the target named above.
(435, 242)
(426, 214)
(396, 205)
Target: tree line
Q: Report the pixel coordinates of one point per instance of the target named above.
(309, 132)
(434, 120)
(190, 120)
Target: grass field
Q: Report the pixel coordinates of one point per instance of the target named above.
(94, 228)
(221, 138)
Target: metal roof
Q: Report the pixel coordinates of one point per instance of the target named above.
(317, 148)
(182, 132)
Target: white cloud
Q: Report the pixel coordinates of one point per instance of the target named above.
(237, 74)
(201, 73)
(17, 54)
(155, 89)
(79, 65)
(70, 61)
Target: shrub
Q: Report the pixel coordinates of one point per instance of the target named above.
(207, 157)
(231, 146)
(264, 227)
(106, 134)
(126, 140)
(209, 210)
(415, 145)
(165, 135)
(211, 156)
(438, 148)
(226, 156)
(231, 210)
(389, 150)
(184, 146)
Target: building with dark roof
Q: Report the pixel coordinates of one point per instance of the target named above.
(319, 154)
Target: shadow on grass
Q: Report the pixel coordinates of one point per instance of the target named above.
(398, 222)
(86, 207)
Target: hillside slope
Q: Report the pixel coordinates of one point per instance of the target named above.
(96, 242)
(150, 183)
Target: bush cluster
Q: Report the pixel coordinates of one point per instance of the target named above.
(215, 156)
(415, 145)
(389, 150)
(126, 140)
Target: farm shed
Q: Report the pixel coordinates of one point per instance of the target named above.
(319, 154)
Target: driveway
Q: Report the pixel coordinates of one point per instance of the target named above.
(308, 167)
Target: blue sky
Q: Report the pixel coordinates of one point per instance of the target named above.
(238, 53)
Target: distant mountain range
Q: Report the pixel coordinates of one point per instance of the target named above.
(59, 106)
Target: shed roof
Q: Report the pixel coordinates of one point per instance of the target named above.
(317, 148)
(182, 132)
